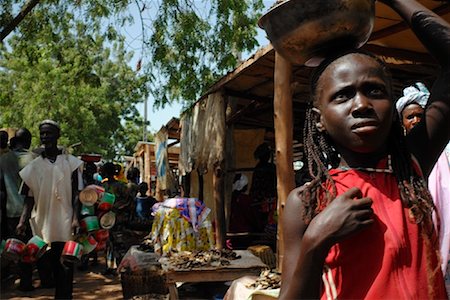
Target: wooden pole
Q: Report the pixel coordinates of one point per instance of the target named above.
(147, 166)
(218, 183)
(229, 158)
(283, 120)
(219, 187)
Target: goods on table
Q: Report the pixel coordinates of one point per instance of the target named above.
(211, 258)
(267, 280)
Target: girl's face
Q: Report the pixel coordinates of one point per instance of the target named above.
(354, 103)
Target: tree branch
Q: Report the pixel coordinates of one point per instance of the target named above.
(15, 22)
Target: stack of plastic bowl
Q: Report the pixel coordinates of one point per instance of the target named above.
(72, 251)
(34, 249)
(14, 249)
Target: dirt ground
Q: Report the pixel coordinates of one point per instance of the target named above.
(92, 284)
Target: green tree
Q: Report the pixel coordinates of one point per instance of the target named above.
(66, 60)
(62, 63)
(194, 43)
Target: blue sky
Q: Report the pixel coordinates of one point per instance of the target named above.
(160, 117)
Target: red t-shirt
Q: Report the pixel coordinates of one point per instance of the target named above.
(392, 258)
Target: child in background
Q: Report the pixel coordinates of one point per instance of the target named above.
(144, 203)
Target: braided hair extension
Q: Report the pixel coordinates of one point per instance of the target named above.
(321, 156)
(413, 188)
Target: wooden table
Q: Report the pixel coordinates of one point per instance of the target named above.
(248, 264)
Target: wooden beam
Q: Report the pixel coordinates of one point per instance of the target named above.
(400, 54)
(173, 143)
(382, 33)
(248, 96)
(283, 121)
(240, 112)
(230, 76)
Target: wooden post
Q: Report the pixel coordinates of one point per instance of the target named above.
(283, 120)
(229, 158)
(218, 183)
(147, 165)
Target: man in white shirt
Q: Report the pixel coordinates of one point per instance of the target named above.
(51, 186)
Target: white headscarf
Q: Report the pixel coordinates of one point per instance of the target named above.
(418, 93)
(239, 184)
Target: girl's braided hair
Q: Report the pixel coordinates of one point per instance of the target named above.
(321, 156)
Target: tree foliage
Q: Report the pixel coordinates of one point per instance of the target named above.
(67, 61)
(63, 63)
(194, 43)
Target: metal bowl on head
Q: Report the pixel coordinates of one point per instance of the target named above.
(305, 31)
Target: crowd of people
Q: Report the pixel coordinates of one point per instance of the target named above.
(39, 197)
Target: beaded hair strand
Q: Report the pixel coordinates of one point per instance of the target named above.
(321, 156)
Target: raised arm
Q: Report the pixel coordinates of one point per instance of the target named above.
(306, 247)
(427, 140)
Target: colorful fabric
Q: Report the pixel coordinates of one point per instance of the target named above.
(395, 255)
(439, 186)
(171, 231)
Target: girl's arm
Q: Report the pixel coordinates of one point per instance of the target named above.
(427, 140)
(306, 246)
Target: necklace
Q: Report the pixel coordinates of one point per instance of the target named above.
(376, 170)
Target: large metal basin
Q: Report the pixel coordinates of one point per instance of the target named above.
(305, 31)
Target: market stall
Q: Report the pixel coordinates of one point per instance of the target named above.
(144, 272)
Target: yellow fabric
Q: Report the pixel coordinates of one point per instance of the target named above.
(171, 232)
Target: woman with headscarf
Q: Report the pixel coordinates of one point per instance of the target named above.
(411, 108)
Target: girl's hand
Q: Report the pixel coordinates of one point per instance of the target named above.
(345, 215)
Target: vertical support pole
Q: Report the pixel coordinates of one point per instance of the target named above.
(229, 158)
(218, 183)
(147, 164)
(283, 120)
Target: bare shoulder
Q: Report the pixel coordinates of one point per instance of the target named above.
(293, 211)
(295, 199)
